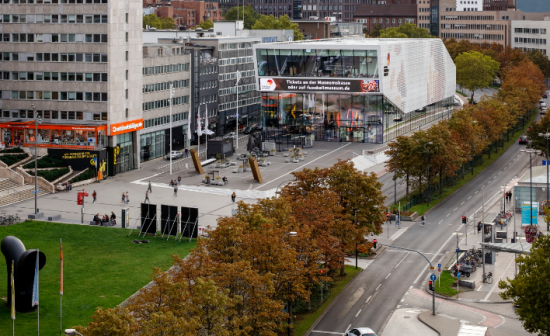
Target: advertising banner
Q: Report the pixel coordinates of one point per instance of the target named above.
(319, 85)
(525, 218)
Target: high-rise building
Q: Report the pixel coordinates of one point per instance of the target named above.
(78, 64)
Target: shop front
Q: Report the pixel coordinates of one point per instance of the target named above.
(123, 153)
(54, 136)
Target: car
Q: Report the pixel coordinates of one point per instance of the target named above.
(523, 140)
(542, 105)
(174, 155)
(360, 332)
(543, 110)
(247, 130)
(544, 95)
(258, 128)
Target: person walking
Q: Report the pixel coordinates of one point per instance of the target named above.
(123, 198)
(176, 190)
(149, 189)
(397, 220)
(423, 220)
(186, 152)
(127, 198)
(179, 180)
(388, 217)
(233, 197)
(94, 195)
(479, 227)
(147, 197)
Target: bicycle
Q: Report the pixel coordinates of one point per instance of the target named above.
(488, 278)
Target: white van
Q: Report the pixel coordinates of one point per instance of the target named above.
(330, 18)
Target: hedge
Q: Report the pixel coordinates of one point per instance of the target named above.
(51, 174)
(13, 150)
(46, 162)
(88, 174)
(11, 159)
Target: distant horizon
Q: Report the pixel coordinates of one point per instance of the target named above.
(531, 6)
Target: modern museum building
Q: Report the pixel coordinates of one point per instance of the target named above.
(351, 90)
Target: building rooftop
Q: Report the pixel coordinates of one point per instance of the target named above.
(351, 41)
(393, 10)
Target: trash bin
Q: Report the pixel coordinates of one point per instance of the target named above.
(125, 218)
(488, 258)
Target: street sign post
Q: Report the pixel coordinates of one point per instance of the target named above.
(433, 277)
(457, 282)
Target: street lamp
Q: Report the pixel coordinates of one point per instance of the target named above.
(36, 122)
(428, 176)
(277, 190)
(237, 114)
(547, 137)
(473, 154)
(291, 234)
(172, 92)
(530, 151)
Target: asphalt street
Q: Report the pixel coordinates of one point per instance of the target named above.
(371, 298)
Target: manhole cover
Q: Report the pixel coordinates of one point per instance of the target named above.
(406, 316)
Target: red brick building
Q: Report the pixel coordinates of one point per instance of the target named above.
(186, 13)
(386, 14)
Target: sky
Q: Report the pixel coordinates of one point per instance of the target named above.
(534, 5)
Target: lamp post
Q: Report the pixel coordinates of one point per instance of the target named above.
(395, 179)
(428, 176)
(530, 151)
(473, 154)
(291, 234)
(36, 121)
(237, 114)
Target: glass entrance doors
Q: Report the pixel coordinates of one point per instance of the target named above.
(352, 134)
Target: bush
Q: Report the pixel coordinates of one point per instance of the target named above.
(88, 174)
(46, 162)
(52, 174)
(13, 150)
(11, 159)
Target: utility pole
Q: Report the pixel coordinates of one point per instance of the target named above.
(35, 160)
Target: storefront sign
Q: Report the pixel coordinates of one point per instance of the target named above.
(529, 213)
(125, 127)
(80, 159)
(319, 85)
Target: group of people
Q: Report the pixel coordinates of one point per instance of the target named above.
(125, 198)
(105, 219)
(508, 196)
(173, 182)
(68, 186)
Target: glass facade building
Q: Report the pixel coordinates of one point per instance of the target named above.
(348, 90)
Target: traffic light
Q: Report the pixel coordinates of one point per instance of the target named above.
(431, 285)
(374, 242)
(464, 219)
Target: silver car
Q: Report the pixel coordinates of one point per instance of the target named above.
(174, 155)
(360, 332)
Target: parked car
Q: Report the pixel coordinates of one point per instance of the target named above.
(543, 110)
(247, 130)
(174, 155)
(545, 95)
(360, 332)
(523, 140)
(542, 105)
(258, 128)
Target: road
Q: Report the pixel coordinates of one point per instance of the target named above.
(370, 299)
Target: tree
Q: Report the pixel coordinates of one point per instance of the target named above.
(528, 289)
(475, 71)
(236, 13)
(110, 322)
(375, 32)
(152, 20)
(540, 60)
(206, 24)
(405, 160)
(406, 30)
(282, 22)
(542, 126)
(467, 132)
(494, 119)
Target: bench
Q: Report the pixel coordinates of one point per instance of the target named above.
(54, 217)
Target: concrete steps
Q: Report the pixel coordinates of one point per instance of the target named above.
(18, 194)
(6, 184)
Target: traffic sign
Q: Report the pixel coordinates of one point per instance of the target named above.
(458, 275)
(433, 277)
(36, 191)
(438, 265)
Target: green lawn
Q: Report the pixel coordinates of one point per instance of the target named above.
(423, 207)
(304, 321)
(446, 287)
(102, 267)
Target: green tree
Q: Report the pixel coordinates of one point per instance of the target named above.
(475, 71)
(282, 22)
(157, 22)
(236, 13)
(375, 32)
(406, 160)
(406, 30)
(529, 289)
(206, 24)
(540, 60)
(542, 126)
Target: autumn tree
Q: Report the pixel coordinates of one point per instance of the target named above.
(509, 58)
(527, 290)
(110, 322)
(405, 160)
(541, 61)
(494, 119)
(475, 71)
(541, 126)
(467, 132)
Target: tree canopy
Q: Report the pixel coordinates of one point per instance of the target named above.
(160, 23)
(207, 24)
(528, 289)
(475, 71)
(236, 13)
(406, 30)
(282, 22)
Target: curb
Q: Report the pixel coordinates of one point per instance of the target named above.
(426, 324)
(330, 305)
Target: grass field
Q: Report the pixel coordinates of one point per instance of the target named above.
(446, 287)
(423, 207)
(102, 267)
(305, 321)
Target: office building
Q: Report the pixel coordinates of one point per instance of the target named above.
(531, 35)
(184, 13)
(350, 89)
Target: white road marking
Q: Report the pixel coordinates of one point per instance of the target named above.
(469, 197)
(456, 208)
(387, 276)
(358, 312)
(348, 327)
(328, 332)
(445, 243)
(399, 263)
(368, 299)
(378, 287)
(448, 214)
(461, 204)
(476, 192)
(440, 221)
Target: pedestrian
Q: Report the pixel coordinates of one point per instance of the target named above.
(176, 190)
(479, 227)
(179, 180)
(423, 220)
(397, 220)
(147, 197)
(123, 198)
(501, 223)
(186, 152)
(388, 216)
(94, 195)
(233, 196)
(149, 188)
(127, 198)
